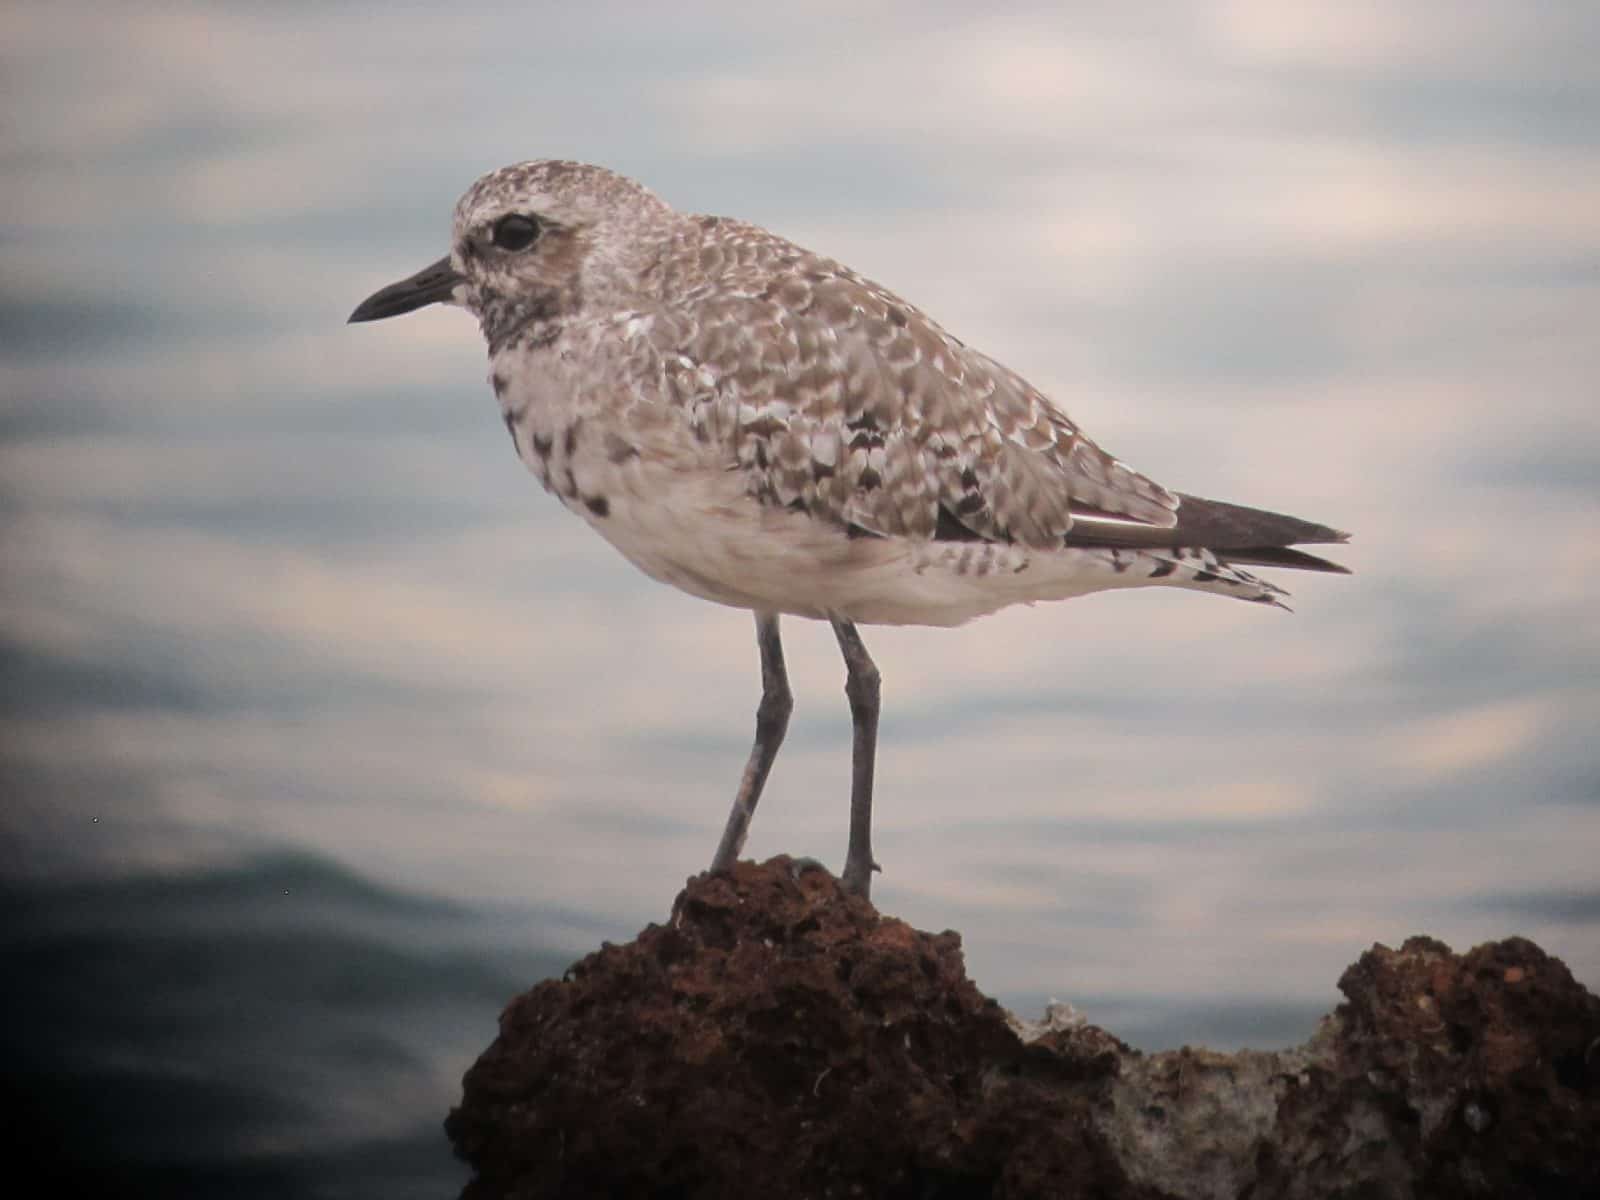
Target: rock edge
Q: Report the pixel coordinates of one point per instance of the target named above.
(780, 1037)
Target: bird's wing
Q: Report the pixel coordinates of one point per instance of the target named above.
(834, 396)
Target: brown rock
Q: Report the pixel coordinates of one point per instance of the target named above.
(778, 1038)
(1483, 1065)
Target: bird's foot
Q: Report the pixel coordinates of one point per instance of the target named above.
(857, 878)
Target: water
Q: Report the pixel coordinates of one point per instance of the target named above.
(269, 1027)
(325, 731)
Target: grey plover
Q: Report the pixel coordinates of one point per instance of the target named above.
(761, 426)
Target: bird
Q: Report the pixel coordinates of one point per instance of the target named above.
(762, 427)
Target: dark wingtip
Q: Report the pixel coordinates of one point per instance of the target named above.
(1221, 526)
(1326, 536)
(1281, 556)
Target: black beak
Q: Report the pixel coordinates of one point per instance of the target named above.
(436, 282)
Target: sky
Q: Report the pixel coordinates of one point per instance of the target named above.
(276, 583)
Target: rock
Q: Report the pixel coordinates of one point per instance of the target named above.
(783, 1039)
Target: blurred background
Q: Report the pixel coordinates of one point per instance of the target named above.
(325, 731)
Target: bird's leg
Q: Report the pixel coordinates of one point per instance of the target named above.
(772, 721)
(861, 686)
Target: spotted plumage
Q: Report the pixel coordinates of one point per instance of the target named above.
(761, 426)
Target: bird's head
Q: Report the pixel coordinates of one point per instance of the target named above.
(537, 242)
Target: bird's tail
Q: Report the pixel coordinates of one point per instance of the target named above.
(1231, 533)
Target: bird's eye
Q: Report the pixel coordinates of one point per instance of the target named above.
(516, 232)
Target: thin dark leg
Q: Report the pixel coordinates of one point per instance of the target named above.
(772, 721)
(861, 685)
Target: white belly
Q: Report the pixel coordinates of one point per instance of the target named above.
(699, 531)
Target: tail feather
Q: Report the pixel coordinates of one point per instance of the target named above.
(1202, 569)
(1282, 556)
(1233, 532)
